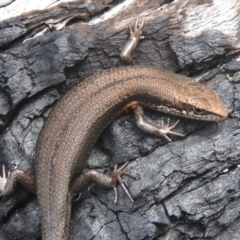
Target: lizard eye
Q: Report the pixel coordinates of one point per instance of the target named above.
(197, 110)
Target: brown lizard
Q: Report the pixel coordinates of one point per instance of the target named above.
(78, 119)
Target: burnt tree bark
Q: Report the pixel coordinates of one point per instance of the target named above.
(188, 189)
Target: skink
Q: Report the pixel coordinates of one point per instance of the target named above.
(78, 119)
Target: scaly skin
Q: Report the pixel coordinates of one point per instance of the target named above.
(78, 119)
(84, 112)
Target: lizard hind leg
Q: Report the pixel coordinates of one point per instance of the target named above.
(9, 181)
(95, 176)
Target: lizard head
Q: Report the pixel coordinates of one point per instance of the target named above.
(203, 103)
(196, 101)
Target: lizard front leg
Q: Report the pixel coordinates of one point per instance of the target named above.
(162, 131)
(135, 37)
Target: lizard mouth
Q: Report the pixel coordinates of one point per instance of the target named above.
(195, 113)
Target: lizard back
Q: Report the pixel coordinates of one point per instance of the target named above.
(78, 119)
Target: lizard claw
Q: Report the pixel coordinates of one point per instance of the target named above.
(167, 129)
(3, 179)
(116, 178)
(137, 30)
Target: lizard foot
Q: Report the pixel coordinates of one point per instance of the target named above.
(3, 179)
(167, 129)
(116, 178)
(136, 32)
